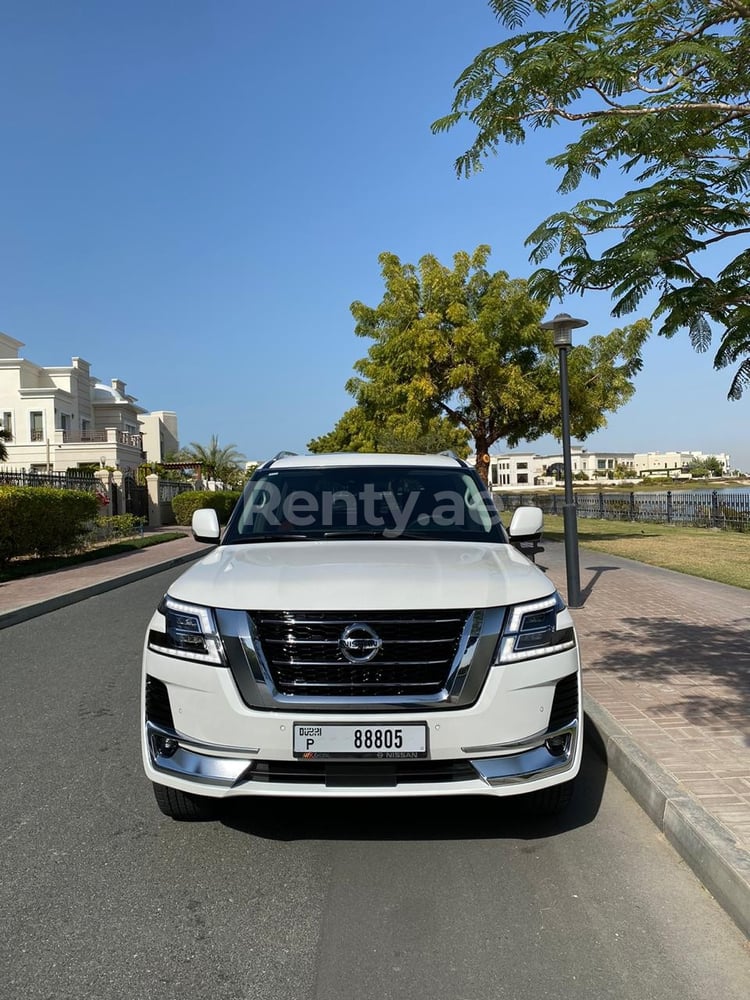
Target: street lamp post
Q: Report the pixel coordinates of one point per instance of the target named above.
(562, 327)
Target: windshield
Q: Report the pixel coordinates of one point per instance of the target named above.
(372, 502)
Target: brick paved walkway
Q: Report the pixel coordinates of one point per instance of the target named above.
(669, 657)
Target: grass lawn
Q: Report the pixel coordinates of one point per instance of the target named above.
(16, 569)
(723, 556)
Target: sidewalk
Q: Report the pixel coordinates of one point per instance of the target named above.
(667, 677)
(666, 661)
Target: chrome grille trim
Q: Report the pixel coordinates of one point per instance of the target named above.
(457, 684)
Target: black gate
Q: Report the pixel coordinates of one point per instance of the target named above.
(136, 497)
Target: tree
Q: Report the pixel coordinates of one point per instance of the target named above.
(465, 346)
(660, 88)
(360, 430)
(4, 436)
(704, 467)
(216, 462)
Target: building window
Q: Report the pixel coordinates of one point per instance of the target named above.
(523, 478)
(522, 465)
(36, 424)
(8, 424)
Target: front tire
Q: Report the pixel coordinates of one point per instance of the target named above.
(183, 806)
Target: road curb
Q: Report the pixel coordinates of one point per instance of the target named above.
(29, 611)
(700, 840)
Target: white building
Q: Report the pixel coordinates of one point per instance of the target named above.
(672, 463)
(527, 469)
(59, 418)
(513, 470)
(160, 438)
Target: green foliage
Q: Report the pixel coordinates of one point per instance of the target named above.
(659, 89)
(4, 436)
(709, 466)
(84, 469)
(462, 349)
(119, 525)
(39, 520)
(222, 501)
(359, 430)
(223, 463)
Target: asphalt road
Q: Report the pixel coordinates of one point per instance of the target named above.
(102, 897)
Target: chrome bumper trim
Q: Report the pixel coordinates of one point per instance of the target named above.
(531, 762)
(530, 743)
(226, 771)
(208, 765)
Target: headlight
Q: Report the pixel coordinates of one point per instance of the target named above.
(190, 632)
(531, 631)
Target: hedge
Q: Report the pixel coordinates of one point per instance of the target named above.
(42, 521)
(222, 501)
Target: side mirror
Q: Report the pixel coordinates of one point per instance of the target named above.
(205, 525)
(526, 529)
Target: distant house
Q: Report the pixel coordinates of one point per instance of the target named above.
(63, 417)
(674, 463)
(520, 469)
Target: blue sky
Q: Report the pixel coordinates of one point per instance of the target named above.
(194, 192)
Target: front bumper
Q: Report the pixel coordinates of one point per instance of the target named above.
(547, 759)
(501, 745)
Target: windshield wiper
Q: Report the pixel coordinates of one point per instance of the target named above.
(270, 537)
(387, 533)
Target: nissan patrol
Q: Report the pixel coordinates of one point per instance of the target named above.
(364, 626)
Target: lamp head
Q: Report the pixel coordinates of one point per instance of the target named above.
(562, 327)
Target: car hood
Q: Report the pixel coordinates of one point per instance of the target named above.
(361, 575)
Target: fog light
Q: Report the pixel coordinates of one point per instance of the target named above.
(558, 745)
(166, 746)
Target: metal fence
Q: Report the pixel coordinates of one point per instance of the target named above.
(701, 508)
(169, 489)
(58, 480)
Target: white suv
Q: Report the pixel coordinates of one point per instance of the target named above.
(364, 627)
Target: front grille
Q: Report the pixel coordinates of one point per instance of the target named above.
(158, 709)
(303, 652)
(371, 774)
(564, 704)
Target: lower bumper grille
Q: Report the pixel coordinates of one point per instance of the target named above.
(375, 775)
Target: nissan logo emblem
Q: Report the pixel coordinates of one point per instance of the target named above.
(359, 643)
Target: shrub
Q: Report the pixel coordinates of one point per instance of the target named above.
(222, 501)
(119, 525)
(40, 520)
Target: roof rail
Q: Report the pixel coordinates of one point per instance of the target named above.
(451, 454)
(284, 454)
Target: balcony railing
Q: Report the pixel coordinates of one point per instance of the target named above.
(108, 436)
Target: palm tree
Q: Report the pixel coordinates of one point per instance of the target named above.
(4, 436)
(216, 462)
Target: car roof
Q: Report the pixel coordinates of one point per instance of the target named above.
(363, 460)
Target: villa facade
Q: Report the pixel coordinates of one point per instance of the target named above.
(62, 417)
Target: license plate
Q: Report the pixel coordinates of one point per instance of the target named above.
(382, 742)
